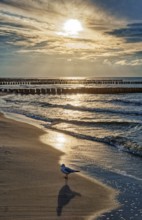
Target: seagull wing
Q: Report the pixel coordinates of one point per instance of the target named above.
(69, 170)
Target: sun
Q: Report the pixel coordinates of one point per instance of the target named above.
(72, 27)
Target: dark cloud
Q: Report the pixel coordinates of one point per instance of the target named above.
(135, 25)
(11, 25)
(82, 40)
(39, 45)
(10, 41)
(132, 33)
(10, 37)
(134, 39)
(95, 25)
(2, 23)
(138, 54)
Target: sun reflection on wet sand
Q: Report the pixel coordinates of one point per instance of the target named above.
(59, 141)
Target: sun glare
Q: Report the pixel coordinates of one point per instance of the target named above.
(72, 27)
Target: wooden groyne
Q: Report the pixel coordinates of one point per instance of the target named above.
(60, 91)
(32, 81)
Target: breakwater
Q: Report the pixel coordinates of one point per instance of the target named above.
(82, 90)
(34, 81)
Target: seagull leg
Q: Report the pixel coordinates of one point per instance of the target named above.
(66, 181)
(66, 177)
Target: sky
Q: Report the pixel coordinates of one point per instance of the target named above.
(70, 38)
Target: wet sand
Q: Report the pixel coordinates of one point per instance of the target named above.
(32, 186)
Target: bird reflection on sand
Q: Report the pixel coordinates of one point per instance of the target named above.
(65, 196)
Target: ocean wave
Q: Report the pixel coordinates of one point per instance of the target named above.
(102, 123)
(15, 100)
(121, 143)
(85, 109)
(124, 173)
(109, 124)
(117, 101)
(27, 114)
(124, 144)
(122, 101)
(114, 100)
(78, 108)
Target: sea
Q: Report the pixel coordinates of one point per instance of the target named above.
(100, 134)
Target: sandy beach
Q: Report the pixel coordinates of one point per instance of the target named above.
(32, 186)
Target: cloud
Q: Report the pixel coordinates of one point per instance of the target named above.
(35, 24)
(137, 62)
(138, 53)
(31, 27)
(132, 59)
(132, 33)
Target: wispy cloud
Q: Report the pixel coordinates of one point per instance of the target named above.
(33, 27)
(35, 22)
(137, 62)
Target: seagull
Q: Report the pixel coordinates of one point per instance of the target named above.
(67, 170)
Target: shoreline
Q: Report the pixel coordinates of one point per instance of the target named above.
(30, 174)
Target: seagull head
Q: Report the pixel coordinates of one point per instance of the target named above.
(63, 165)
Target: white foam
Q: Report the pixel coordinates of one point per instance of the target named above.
(124, 173)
